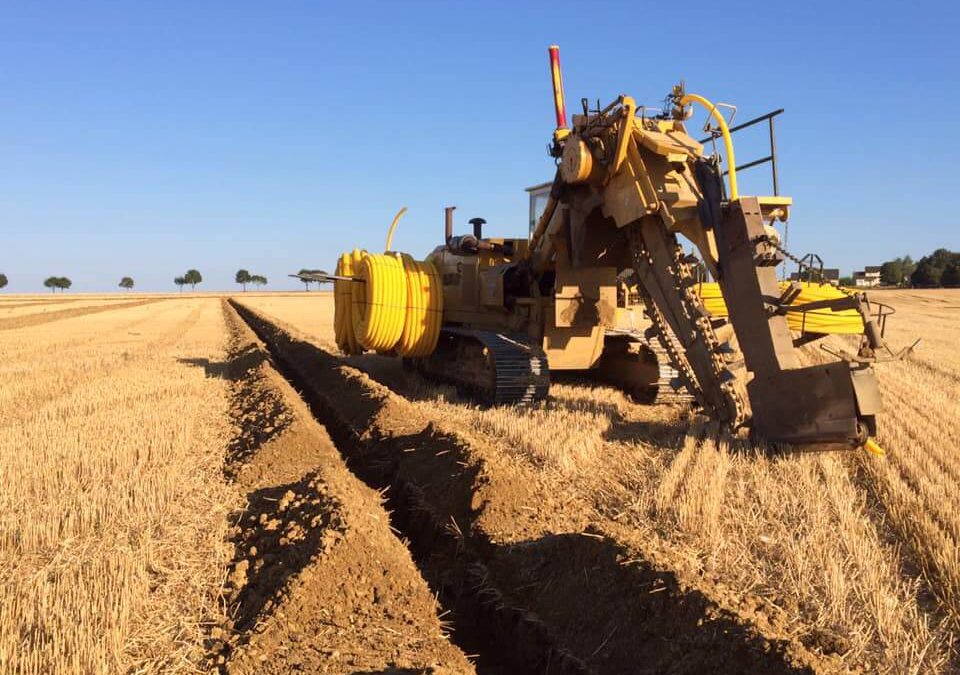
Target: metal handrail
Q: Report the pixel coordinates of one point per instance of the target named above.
(772, 157)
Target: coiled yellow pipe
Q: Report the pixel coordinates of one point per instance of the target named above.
(395, 307)
(421, 326)
(345, 336)
(844, 322)
(379, 303)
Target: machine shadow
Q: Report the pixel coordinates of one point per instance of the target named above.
(621, 613)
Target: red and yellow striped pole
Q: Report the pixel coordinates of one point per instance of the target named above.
(558, 102)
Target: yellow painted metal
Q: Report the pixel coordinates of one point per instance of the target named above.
(873, 448)
(393, 227)
(727, 141)
(559, 103)
(626, 130)
(576, 164)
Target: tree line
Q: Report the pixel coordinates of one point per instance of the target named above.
(940, 268)
(244, 277)
(191, 277)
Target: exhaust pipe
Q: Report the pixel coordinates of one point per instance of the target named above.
(448, 223)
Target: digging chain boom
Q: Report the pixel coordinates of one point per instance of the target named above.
(668, 290)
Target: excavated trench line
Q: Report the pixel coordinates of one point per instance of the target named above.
(581, 581)
(319, 581)
(39, 318)
(503, 638)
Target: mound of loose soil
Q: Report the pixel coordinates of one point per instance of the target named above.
(319, 583)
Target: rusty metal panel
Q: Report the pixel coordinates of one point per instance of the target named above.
(809, 404)
(491, 287)
(867, 389)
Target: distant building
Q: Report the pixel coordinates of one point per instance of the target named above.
(868, 278)
(830, 275)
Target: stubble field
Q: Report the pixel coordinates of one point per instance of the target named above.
(171, 504)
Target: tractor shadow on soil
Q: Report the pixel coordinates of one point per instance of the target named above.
(622, 614)
(258, 412)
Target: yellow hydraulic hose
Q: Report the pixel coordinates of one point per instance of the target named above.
(343, 304)
(873, 448)
(379, 303)
(393, 226)
(727, 141)
(844, 322)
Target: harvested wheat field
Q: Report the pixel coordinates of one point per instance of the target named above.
(170, 505)
(197, 485)
(635, 539)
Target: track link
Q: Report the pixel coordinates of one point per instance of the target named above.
(495, 368)
(669, 387)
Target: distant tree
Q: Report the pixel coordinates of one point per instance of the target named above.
(846, 281)
(927, 274)
(53, 283)
(951, 275)
(896, 272)
(63, 283)
(907, 268)
(931, 268)
(258, 280)
(192, 277)
(243, 277)
(306, 282)
(126, 282)
(3, 280)
(179, 281)
(891, 272)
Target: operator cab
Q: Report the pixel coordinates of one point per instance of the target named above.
(539, 195)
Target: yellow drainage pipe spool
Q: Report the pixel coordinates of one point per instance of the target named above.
(393, 305)
(843, 322)
(379, 303)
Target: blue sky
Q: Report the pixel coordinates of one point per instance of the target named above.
(145, 138)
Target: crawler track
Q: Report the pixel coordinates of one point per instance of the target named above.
(543, 600)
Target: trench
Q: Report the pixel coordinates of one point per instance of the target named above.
(500, 638)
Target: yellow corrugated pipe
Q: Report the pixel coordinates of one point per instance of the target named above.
(397, 307)
(421, 326)
(379, 303)
(342, 304)
(845, 322)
